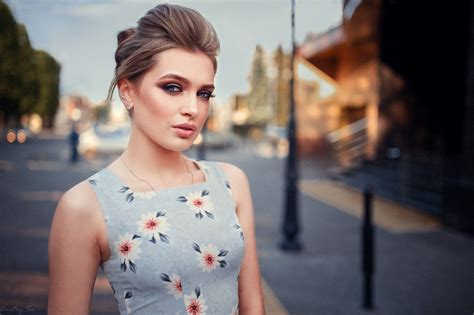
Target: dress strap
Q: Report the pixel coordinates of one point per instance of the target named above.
(215, 174)
(104, 187)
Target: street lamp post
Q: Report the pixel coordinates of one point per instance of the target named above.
(290, 224)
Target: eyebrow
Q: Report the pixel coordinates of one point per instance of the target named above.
(180, 78)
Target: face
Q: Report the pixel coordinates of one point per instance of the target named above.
(171, 101)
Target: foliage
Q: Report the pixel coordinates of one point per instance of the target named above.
(10, 80)
(29, 79)
(258, 100)
(48, 95)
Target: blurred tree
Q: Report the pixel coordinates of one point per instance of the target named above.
(27, 69)
(258, 102)
(48, 98)
(10, 78)
(282, 64)
(29, 79)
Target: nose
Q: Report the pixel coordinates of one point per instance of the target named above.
(190, 107)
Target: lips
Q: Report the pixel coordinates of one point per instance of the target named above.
(185, 130)
(186, 127)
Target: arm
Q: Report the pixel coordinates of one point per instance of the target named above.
(250, 287)
(73, 252)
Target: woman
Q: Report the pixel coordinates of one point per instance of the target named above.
(173, 235)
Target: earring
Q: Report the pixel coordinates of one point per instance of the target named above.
(129, 106)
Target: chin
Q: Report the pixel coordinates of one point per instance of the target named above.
(172, 142)
(180, 145)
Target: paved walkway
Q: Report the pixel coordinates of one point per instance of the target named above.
(421, 267)
(387, 215)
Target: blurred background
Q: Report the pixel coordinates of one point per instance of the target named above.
(384, 109)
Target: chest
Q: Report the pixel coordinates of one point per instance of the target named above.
(191, 233)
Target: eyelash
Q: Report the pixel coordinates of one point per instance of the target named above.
(171, 88)
(209, 94)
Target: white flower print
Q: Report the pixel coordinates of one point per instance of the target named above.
(145, 195)
(128, 249)
(209, 257)
(199, 202)
(154, 224)
(174, 284)
(195, 303)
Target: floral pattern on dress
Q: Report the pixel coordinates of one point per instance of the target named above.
(154, 224)
(174, 284)
(239, 228)
(216, 251)
(128, 249)
(209, 257)
(227, 185)
(128, 193)
(195, 303)
(126, 297)
(199, 202)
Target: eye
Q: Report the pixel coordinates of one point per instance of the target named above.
(172, 88)
(205, 94)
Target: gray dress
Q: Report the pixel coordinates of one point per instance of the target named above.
(173, 251)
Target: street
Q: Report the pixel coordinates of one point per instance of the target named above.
(417, 271)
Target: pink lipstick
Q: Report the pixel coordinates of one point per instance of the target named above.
(185, 130)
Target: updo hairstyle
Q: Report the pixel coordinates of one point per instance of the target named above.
(164, 27)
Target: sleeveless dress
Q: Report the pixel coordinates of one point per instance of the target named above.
(175, 250)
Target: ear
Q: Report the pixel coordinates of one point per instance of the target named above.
(126, 92)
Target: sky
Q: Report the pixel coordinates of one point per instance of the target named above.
(81, 34)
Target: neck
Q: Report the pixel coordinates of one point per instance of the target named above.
(149, 160)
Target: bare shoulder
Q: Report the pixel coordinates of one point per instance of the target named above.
(78, 218)
(75, 244)
(79, 201)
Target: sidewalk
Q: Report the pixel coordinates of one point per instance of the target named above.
(387, 215)
(421, 267)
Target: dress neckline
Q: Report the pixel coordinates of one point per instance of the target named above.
(200, 165)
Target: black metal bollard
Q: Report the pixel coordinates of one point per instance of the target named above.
(368, 266)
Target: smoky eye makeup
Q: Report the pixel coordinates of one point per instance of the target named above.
(174, 88)
(205, 94)
(171, 87)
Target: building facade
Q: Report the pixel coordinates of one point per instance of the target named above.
(405, 72)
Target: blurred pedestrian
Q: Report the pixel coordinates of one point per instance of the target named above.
(172, 235)
(74, 142)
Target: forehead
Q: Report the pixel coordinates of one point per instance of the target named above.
(194, 66)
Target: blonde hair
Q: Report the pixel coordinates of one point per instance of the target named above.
(164, 27)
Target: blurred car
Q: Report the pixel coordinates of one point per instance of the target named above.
(275, 133)
(103, 139)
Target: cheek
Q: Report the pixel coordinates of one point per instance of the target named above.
(203, 113)
(157, 107)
